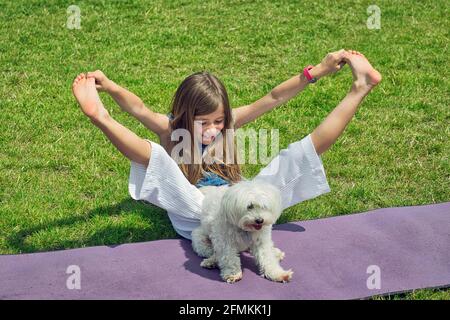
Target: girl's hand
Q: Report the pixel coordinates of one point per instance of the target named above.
(333, 61)
(102, 83)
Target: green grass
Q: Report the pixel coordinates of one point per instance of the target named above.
(423, 294)
(63, 185)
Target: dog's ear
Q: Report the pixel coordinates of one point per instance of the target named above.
(228, 205)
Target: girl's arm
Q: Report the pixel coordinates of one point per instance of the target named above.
(287, 90)
(132, 104)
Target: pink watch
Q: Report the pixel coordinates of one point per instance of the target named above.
(308, 75)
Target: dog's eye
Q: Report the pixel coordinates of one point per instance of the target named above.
(250, 206)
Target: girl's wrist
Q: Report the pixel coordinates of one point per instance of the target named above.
(111, 87)
(317, 71)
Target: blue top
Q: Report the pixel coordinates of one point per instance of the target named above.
(209, 178)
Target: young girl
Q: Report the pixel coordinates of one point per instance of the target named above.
(155, 177)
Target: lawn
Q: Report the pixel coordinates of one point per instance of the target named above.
(63, 185)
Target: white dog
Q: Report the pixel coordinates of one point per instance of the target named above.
(236, 219)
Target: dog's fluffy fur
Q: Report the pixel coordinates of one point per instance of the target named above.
(236, 219)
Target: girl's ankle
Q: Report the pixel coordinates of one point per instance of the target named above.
(100, 120)
(360, 88)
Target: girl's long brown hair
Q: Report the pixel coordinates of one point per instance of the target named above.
(199, 94)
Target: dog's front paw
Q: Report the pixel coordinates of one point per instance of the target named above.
(232, 278)
(279, 254)
(283, 276)
(209, 263)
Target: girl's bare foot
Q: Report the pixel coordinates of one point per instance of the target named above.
(365, 77)
(86, 94)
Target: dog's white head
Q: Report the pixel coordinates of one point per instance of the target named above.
(250, 205)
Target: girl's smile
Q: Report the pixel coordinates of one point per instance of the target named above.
(210, 125)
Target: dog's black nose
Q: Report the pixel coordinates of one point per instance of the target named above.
(259, 221)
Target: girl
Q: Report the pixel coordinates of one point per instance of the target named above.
(155, 177)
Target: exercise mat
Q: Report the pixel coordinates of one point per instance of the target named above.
(351, 256)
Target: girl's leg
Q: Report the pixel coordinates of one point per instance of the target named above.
(365, 78)
(163, 184)
(127, 142)
(298, 171)
(157, 178)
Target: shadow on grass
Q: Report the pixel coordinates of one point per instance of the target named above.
(160, 228)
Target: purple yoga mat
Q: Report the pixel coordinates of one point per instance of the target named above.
(408, 248)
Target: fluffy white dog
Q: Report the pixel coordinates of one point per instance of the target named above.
(236, 219)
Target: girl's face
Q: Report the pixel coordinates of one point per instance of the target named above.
(210, 125)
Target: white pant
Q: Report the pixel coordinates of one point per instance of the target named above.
(300, 176)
